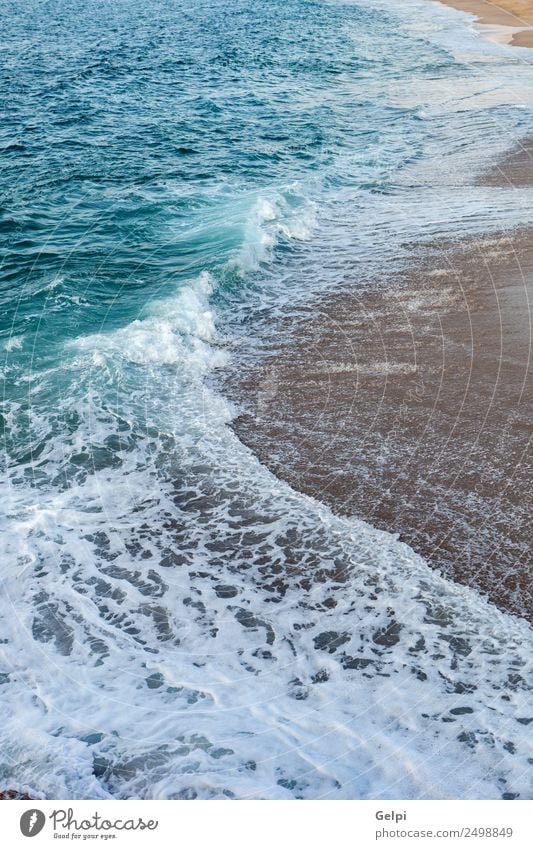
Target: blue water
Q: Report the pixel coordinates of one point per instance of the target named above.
(169, 171)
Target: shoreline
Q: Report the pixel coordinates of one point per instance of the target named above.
(506, 22)
(405, 406)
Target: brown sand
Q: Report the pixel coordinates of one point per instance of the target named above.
(408, 406)
(517, 14)
(515, 169)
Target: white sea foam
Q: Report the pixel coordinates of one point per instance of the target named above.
(270, 219)
(177, 332)
(14, 343)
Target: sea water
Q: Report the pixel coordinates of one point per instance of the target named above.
(175, 622)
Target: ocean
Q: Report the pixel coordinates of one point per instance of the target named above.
(175, 621)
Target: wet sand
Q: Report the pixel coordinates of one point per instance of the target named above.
(409, 405)
(515, 169)
(514, 17)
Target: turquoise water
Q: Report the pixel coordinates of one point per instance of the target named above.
(138, 138)
(170, 171)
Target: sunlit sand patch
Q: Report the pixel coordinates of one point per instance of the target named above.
(507, 22)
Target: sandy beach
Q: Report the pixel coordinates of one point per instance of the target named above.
(407, 405)
(509, 20)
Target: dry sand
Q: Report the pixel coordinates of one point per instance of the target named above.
(409, 405)
(514, 16)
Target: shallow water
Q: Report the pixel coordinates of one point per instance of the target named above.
(175, 621)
